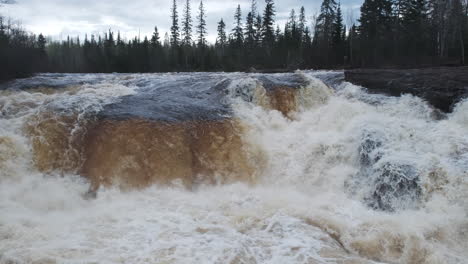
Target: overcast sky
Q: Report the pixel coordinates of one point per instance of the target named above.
(59, 18)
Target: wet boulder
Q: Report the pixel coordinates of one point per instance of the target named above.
(384, 184)
(441, 87)
(395, 186)
(369, 149)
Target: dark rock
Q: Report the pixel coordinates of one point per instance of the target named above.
(90, 195)
(332, 79)
(368, 150)
(441, 87)
(191, 97)
(173, 98)
(253, 70)
(396, 186)
(389, 185)
(272, 82)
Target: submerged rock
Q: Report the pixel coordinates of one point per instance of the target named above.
(175, 128)
(388, 185)
(368, 150)
(441, 87)
(396, 186)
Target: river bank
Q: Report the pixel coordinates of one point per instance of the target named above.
(442, 87)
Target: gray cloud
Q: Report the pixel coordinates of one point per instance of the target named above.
(7, 2)
(59, 18)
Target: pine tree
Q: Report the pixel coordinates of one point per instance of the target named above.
(337, 37)
(268, 32)
(307, 50)
(187, 25)
(41, 43)
(278, 33)
(167, 40)
(250, 31)
(465, 34)
(414, 18)
(221, 40)
(307, 39)
(352, 44)
(302, 23)
(258, 30)
(375, 31)
(253, 26)
(323, 37)
(201, 28)
(175, 25)
(292, 28)
(155, 42)
(338, 26)
(292, 41)
(253, 8)
(237, 32)
(324, 24)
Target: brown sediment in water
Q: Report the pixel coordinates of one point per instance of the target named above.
(138, 153)
(377, 243)
(283, 99)
(51, 90)
(390, 246)
(57, 141)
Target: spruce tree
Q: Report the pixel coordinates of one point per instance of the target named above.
(221, 39)
(268, 32)
(278, 33)
(250, 31)
(237, 31)
(253, 26)
(155, 42)
(167, 40)
(201, 28)
(253, 8)
(375, 31)
(187, 25)
(302, 23)
(414, 18)
(324, 32)
(258, 30)
(175, 25)
(337, 37)
(41, 43)
(293, 29)
(307, 39)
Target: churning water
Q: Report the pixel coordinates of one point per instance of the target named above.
(232, 172)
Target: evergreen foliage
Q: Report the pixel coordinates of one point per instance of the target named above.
(187, 24)
(175, 34)
(201, 28)
(389, 33)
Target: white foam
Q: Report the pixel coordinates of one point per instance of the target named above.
(299, 212)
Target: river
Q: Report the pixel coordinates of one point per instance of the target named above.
(228, 168)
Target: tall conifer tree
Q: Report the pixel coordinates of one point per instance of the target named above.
(268, 32)
(237, 31)
(175, 25)
(187, 25)
(201, 28)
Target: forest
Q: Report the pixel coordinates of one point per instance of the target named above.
(388, 33)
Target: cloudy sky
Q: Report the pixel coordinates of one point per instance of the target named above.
(59, 18)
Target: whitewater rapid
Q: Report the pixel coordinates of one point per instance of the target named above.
(313, 200)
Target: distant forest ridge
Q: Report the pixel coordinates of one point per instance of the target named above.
(407, 33)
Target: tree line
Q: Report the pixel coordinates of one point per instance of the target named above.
(387, 33)
(21, 53)
(410, 32)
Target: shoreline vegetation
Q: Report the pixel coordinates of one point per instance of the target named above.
(389, 34)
